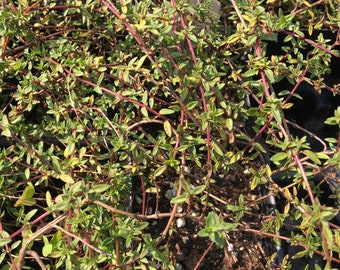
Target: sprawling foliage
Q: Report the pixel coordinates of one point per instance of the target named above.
(103, 100)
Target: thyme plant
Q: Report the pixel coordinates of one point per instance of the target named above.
(102, 101)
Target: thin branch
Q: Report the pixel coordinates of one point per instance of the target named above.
(284, 238)
(37, 234)
(203, 256)
(81, 240)
(37, 258)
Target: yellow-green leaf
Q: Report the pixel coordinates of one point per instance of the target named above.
(69, 149)
(27, 173)
(159, 171)
(166, 111)
(26, 198)
(140, 62)
(5, 241)
(313, 156)
(6, 132)
(167, 128)
(47, 250)
(144, 111)
(48, 198)
(192, 105)
(28, 192)
(28, 202)
(100, 188)
(66, 178)
(77, 72)
(98, 89)
(217, 149)
(229, 123)
(279, 156)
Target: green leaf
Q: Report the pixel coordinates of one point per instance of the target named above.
(2, 257)
(233, 207)
(4, 238)
(59, 68)
(99, 81)
(98, 89)
(66, 178)
(48, 197)
(27, 173)
(322, 155)
(167, 128)
(151, 102)
(144, 111)
(5, 126)
(77, 187)
(217, 149)
(186, 186)
(140, 62)
(218, 239)
(227, 226)
(69, 149)
(277, 115)
(77, 72)
(250, 73)
(259, 147)
(192, 105)
(300, 254)
(30, 214)
(241, 199)
(251, 40)
(145, 98)
(279, 156)
(198, 190)
(317, 267)
(152, 190)
(192, 37)
(5, 241)
(55, 254)
(327, 232)
(47, 250)
(100, 188)
(212, 220)
(159, 171)
(56, 238)
(233, 38)
(166, 111)
(204, 232)
(180, 199)
(45, 240)
(229, 124)
(313, 156)
(28, 202)
(15, 244)
(55, 163)
(270, 75)
(5, 122)
(26, 197)
(6, 132)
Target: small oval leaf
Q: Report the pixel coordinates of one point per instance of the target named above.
(279, 156)
(159, 171)
(100, 188)
(166, 111)
(66, 178)
(167, 128)
(5, 241)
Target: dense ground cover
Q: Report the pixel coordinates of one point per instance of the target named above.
(155, 134)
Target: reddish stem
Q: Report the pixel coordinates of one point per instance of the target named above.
(32, 223)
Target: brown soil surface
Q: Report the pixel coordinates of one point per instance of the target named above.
(244, 250)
